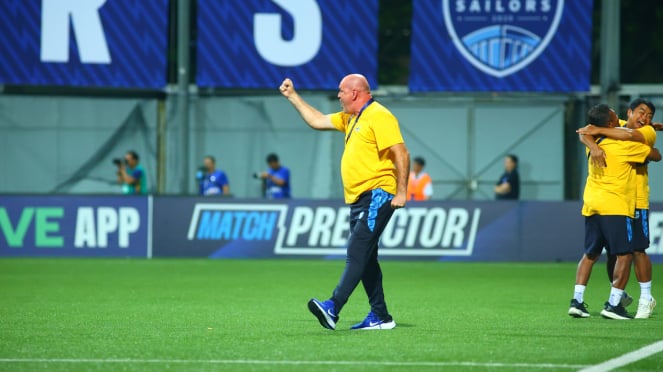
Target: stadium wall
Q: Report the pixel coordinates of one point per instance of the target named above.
(168, 226)
(463, 140)
(65, 144)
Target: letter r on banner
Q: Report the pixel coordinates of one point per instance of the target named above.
(87, 27)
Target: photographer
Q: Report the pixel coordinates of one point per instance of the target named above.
(210, 180)
(131, 175)
(276, 180)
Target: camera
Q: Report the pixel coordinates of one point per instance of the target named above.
(201, 172)
(117, 161)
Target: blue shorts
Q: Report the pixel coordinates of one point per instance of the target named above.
(615, 233)
(640, 240)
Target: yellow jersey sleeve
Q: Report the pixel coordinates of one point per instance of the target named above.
(642, 172)
(339, 120)
(649, 133)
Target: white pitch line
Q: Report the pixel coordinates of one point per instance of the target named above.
(295, 362)
(627, 358)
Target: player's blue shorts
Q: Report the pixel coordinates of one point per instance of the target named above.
(640, 240)
(613, 232)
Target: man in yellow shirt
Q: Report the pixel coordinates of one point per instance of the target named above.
(374, 168)
(637, 128)
(609, 206)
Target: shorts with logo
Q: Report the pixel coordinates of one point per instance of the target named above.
(615, 233)
(640, 240)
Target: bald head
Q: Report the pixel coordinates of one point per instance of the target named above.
(356, 82)
(353, 93)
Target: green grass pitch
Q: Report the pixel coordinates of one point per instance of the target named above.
(204, 315)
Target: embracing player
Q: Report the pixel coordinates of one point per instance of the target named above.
(609, 205)
(638, 127)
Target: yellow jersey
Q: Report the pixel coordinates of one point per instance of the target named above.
(641, 170)
(366, 164)
(612, 190)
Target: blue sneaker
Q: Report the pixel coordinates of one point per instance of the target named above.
(578, 310)
(373, 322)
(615, 312)
(325, 312)
(626, 300)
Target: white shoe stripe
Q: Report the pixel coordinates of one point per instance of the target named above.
(386, 325)
(328, 318)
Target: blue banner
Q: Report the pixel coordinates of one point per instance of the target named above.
(85, 43)
(445, 231)
(74, 226)
(257, 43)
(128, 226)
(501, 45)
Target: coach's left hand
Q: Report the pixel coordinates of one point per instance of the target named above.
(398, 201)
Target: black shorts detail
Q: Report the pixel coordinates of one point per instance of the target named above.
(615, 233)
(640, 240)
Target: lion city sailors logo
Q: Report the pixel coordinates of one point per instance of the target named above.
(500, 37)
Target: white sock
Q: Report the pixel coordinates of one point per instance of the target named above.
(645, 291)
(579, 293)
(615, 296)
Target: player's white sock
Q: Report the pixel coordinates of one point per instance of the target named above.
(579, 293)
(645, 291)
(615, 296)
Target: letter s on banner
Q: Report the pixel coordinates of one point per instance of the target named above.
(305, 42)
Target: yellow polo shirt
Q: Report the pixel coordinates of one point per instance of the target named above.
(612, 190)
(642, 172)
(366, 164)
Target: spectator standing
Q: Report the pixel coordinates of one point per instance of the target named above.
(420, 186)
(508, 186)
(212, 181)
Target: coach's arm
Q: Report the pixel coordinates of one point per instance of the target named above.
(314, 118)
(400, 156)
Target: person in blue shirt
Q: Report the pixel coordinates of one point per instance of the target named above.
(131, 175)
(508, 186)
(276, 179)
(212, 181)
